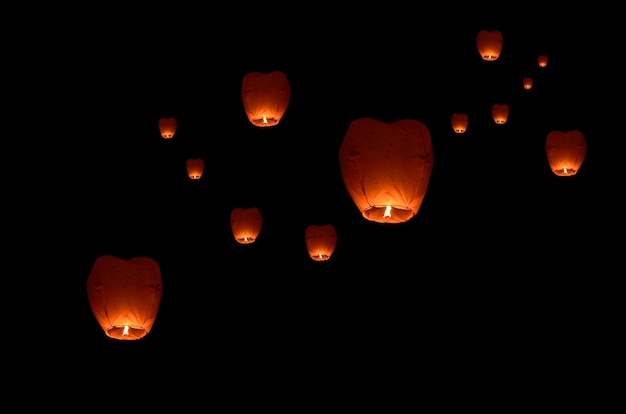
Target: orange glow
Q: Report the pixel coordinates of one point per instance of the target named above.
(320, 241)
(246, 224)
(195, 168)
(167, 127)
(528, 83)
(500, 113)
(124, 295)
(489, 44)
(386, 167)
(542, 61)
(459, 123)
(566, 152)
(265, 97)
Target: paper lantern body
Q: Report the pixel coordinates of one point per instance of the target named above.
(265, 97)
(195, 168)
(489, 44)
(527, 83)
(320, 241)
(246, 224)
(542, 61)
(386, 167)
(500, 113)
(124, 295)
(459, 123)
(167, 126)
(566, 152)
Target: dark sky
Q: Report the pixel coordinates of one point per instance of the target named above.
(496, 258)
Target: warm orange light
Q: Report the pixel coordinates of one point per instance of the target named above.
(386, 167)
(489, 44)
(500, 113)
(124, 295)
(459, 123)
(246, 224)
(167, 126)
(195, 168)
(542, 61)
(527, 83)
(565, 151)
(265, 97)
(320, 241)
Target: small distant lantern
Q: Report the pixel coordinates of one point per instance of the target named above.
(489, 44)
(265, 97)
(320, 241)
(124, 295)
(167, 126)
(542, 61)
(459, 123)
(386, 167)
(565, 151)
(246, 224)
(500, 113)
(195, 168)
(527, 83)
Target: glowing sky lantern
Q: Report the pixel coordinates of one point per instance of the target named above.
(265, 97)
(195, 168)
(246, 224)
(500, 113)
(167, 127)
(542, 61)
(320, 241)
(459, 122)
(489, 44)
(565, 151)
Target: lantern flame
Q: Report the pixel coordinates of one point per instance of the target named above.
(387, 211)
(265, 120)
(126, 329)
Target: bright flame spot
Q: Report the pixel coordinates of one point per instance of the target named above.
(264, 120)
(125, 333)
(387, 211)
(320, 256)
(565, 170)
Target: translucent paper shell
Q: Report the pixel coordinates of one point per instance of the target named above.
(386, 168)
(500, 113)
(265, 97)
(124, 295)
(489, 44)
(566, 152)
(167, 126)
(195, 168)
(459, 123)
(320, 241)
(246, 224)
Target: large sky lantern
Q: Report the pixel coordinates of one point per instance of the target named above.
(195, 168)
(265, 97)
(386, 167)
(124, 295)
(246, 224)
(321, 241)
(459, 122)
(489, 44)
(566, 152)
(167, 127)
(500, 113)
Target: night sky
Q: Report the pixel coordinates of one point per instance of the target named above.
(494, 267)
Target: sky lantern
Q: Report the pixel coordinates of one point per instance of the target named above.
(386, 167)
(320, 241)
(500, 113)
(265, 97)
(459, 122)
(195, 168)
(167, 126)
(489, 44)
(527, 83)
(542, 61)
(124, 295)
(246, 224)
(565, 151)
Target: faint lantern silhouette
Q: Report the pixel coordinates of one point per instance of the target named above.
(265, 97)
(566, 152)
(542, 61)
(500, 113)
(386, 167)
(459, 122)
(489, 44)
(195, 168)
(124, 295)
(320, 241)
(167, 126)
(527, 83)
(246, 224)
